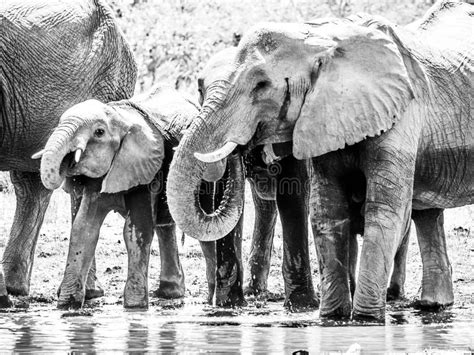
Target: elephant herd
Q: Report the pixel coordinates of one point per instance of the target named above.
(357, 123)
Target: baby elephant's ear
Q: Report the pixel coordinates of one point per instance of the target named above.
(137, 161)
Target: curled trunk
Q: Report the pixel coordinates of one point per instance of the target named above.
(183, 192)
(57, 147)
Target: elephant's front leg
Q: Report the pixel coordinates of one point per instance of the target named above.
(262, 242)
(83, 241)
(330, 219)
(138, 235)
(389, 172)
(437, 285)
(209, 252)
(292, 201)
(171, 272)
(229, 271)
(75, 188)
(32, 201)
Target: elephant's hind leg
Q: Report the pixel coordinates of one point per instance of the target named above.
(171, 272)
(4, 299)
(396, 290)
(437, 285)
(32, 201)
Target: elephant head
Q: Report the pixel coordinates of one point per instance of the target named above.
(320, 85)
(102, 140)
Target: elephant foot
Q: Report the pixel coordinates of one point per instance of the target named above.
(369, 315)
(395, 293)
(230, 299)
(170, 290)
(255, 291)
(437, 292)
(94, 289)
(135, 294)
(71, 301)
(17, 287)
(302, 301)
(5, 302)
(337, 312)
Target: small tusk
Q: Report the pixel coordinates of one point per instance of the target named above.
(77, 155)
(216, 155)
(38, 155)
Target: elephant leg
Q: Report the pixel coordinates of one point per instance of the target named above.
(437, 284)
(396, 290)
(292, 202)
(138, 235)
(93, 287)
(171, 272)
(229, 268)
(82, 243)
(330, 220)
(4, 299)
(262, 242)
(353, 254)
(389, 172)
(209, 251)
(32, 201)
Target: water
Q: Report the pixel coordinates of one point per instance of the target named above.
(261, 328)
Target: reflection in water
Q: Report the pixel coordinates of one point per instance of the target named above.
(195, 328)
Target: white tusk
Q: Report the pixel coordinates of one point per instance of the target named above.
(38, 155)
(216, 155)
(77, 155)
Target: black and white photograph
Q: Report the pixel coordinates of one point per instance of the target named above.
(237, 176)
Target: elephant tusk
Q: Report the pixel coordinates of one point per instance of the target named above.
(216, 155)
(38, 155)
(77, 155)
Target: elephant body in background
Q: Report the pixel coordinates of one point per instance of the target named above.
(381, 110)
(53, 55)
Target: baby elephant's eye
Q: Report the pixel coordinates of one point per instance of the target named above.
(99, 132)
(261, 85)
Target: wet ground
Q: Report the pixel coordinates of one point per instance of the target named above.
(190, 326)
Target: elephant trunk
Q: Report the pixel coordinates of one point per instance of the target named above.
(62, 142)
(184, 184)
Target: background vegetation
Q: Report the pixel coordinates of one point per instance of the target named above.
(173, 39)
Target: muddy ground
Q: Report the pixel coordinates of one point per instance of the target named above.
(111, 255)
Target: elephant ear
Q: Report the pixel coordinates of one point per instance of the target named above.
(137, 161)
(360, 88)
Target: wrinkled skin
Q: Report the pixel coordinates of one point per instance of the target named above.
(370, 104)
(38, 82)
(125, 150)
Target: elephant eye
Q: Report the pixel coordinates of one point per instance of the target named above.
(261, 85)
(99, 132)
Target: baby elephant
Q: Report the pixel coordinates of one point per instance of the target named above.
(121, 151)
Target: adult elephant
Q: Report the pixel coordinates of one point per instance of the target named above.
(282, 187)
(53, 55)
(376, 107)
